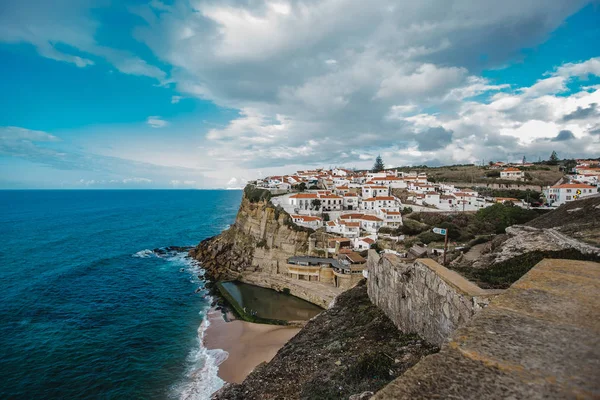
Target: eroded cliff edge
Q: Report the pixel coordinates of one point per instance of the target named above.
(256, 247)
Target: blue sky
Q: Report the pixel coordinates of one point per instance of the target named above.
(203, 94)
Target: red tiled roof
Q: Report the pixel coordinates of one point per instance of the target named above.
(304, 196)
(510, 169)
(573, 186)
(370, 218)
(368, 240)
(379, 198)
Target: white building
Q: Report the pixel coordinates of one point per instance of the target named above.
(560, 194)
(374, 191)
(513, 174)
(381, 202)
(303, 201)
(363, 243)
(331, 202)
(307, 220)
(350, 201)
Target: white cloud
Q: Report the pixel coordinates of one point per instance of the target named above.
(176, 99)
(137, 180)
(156, 122)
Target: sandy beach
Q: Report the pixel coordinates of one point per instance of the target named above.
(248, 344)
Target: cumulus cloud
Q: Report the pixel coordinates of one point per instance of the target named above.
(156, 122)
(582, 112)
(433, 139)
(334, 82)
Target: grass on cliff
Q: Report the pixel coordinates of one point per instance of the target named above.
(502, 275)
(256, 195)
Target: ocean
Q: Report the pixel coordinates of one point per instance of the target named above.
(88, 310)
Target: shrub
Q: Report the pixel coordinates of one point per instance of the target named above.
(255, 195)
(498, 217)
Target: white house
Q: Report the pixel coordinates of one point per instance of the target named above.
(374, 191)
(371, 223)
(303, 201)
(560, 194)
(378, 203)
(331, 202)
(363, 243)
(390, 218)
(307, 220)
(350, 201)
(513, 174)
(345, 228)
(432, 198)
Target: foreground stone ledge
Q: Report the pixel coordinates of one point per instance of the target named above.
(539, 339)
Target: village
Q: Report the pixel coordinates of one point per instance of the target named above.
(358, 208)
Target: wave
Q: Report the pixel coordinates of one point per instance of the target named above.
(146, 253)
(201, 378)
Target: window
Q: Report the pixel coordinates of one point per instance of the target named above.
(568, 197)
(568, 190)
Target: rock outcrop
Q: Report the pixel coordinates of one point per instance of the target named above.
(255, 250)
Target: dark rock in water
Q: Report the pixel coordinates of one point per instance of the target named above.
(198, 290)
(179, 249)
(181, 269)
(159, 251)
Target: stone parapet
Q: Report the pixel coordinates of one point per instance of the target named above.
(422, 296)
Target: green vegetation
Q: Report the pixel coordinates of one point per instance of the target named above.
(301, 187)
(464, 227)
(256, 195)
(504, 274)
(379, 165)
(531, 196)
(498, 217)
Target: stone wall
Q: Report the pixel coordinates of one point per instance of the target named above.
(422, 296)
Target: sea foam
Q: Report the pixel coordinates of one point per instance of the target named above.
(201, 378)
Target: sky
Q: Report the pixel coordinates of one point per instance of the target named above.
(183, 94)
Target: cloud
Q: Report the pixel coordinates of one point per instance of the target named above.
(582, 113)
(156, 122)
(64, 30)
(334, 82)
(14, 133)
(137, 180)
(40, 148)
(433, 139)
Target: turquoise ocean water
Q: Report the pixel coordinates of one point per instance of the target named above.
(87, 310)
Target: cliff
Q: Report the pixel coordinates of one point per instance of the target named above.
(256, 247)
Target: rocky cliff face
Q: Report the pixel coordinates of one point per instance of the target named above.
(260, 239)
(255, 250)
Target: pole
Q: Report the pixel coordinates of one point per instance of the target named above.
(445, 246)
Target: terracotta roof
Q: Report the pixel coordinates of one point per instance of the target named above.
(355, 257)
(573, 186)
(379, 198)
(434, 193)
(377, 187)
(330, 223)
(351, 224)
(351, 216)
(368, 240)
(370, 218)
(350, 194)
(511, 169)
(338, 239)
(329, 196)
(304, 196)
